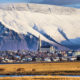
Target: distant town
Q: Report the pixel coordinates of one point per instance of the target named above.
(43, 54)
(28, 56)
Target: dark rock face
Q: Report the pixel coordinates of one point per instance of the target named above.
(11, 40)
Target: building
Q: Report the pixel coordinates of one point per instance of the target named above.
(47, 59)
(77, 53)
(46, 48)
(39, 44)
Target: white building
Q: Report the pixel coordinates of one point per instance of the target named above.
(46, 48)
(77, 53)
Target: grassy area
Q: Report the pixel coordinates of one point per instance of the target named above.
(40, 78)
(64, 68)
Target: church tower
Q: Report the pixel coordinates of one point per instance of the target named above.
(39, 43)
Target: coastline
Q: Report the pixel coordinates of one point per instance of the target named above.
(40, 78)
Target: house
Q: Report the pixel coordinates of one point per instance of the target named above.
(77, 53)
(64, 53)
(47, 59)
(72, 58)
(28, 58)
(64, 58)
(38, 59)
(56, 59)
(17, 57)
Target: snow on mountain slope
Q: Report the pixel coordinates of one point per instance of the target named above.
(72, 3)
(60, 24)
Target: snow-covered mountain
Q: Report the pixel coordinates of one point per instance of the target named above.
(21, 25)
(68, 3)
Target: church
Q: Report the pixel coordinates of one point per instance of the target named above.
(46, 48)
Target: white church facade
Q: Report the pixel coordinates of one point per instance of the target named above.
(47, 48)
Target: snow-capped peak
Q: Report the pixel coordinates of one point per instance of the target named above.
(21, 18)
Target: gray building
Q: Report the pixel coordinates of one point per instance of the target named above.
(46, 48)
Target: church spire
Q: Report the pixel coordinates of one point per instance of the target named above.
(39, 43)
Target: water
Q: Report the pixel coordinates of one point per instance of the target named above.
(16, 75)
(72, 75)
(37, 75)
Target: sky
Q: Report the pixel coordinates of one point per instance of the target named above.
(8, 1)
(68, 3)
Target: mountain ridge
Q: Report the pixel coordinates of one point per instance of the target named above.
(42, 7)
(58, 23)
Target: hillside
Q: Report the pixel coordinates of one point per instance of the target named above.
(56, 25)
(72, 3)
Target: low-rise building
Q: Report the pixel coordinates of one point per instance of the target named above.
(72, 58)
(77, 53)
(47, 48)
(47, 59)
(38, 59)
(56, 59)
